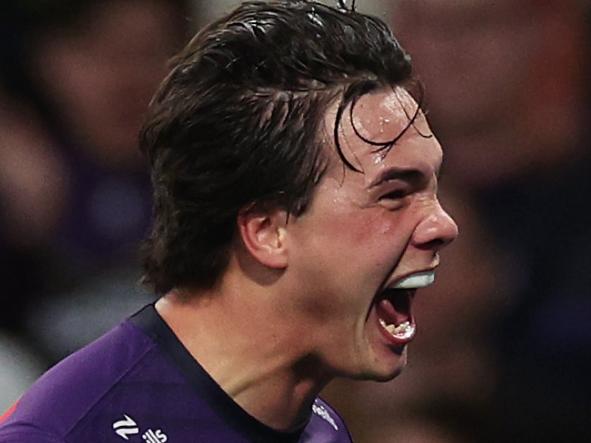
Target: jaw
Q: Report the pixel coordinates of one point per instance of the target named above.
(384, 360)
(388, 329)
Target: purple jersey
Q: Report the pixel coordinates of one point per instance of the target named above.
(138, 383)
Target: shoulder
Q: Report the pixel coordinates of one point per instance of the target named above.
(22, 432)
(71, 393)
(326, 425)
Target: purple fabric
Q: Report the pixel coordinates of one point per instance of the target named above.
(138, 384)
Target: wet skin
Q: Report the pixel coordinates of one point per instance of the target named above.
(364, 231)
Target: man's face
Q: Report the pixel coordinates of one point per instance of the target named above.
(363, 234)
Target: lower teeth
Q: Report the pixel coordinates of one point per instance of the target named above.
(402, 331)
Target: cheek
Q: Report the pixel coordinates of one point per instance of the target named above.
(378, 238)
(358, 254)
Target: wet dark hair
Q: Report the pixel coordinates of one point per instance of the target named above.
(236, 124)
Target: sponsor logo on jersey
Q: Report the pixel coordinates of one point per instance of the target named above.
(126, 427)
(155, 436)
(321, 411)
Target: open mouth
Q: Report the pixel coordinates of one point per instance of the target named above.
(394, 315)
(393, 307)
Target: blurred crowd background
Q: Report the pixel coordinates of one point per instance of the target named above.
(503, 350)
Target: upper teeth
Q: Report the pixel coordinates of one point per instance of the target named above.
(418, 280)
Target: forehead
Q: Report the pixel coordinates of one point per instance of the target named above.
(379, 118)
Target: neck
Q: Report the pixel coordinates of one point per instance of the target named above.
(246, 346)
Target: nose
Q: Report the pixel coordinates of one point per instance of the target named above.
(436, 230)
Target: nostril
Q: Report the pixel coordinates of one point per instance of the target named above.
(434, 244)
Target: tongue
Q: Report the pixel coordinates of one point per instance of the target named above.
(395, 309)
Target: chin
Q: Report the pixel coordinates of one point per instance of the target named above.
(384, 377)
(386, 368)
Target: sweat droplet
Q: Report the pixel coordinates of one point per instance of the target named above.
(314, 17)
(379, 158)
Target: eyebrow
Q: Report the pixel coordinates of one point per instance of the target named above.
(411, 175)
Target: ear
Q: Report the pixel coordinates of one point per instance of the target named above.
(263, 234)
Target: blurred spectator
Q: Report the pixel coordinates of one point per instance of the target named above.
(505, 82)
(31, 197)
(75, 198)
(95, 65)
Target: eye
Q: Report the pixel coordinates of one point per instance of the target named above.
(395, 198)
